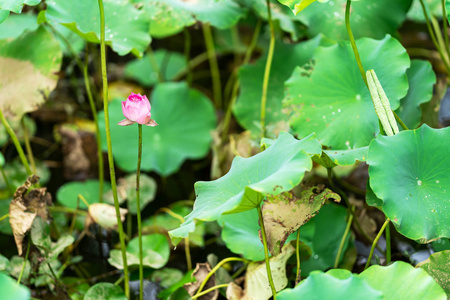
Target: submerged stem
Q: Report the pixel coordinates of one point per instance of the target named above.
(109, 145)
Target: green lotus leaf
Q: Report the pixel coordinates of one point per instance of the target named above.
(329, 18)
(141, 70)
(309, 144)
(409, 173)
(248, 106)
(156, 252)
(15, 25)
(433, 8)
(332, 158)
(36, 57)
(2, 160)
(331, 99)
(170, 16)
(11, 290)
(105, 290)
(126, 28)
(17, 5)
(438, 266)
(319, 286)
(126, 190)
(277, 169)
(3, 15)
(441, 245)
(5, 227)
(67, 194)
(298, 5)
(402, 281)
(421, 79)
(185, 117)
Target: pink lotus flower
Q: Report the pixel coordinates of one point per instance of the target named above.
(137, 109)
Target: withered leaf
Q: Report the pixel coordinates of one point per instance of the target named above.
(25, 207)
(200, 273)
(285, 213)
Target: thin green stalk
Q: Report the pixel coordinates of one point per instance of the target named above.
(388, 244)
(5, 178)
(344, 237)
(347, 202)
(154, 63)
(397, 118)
(433, 37)
(298, 275)
(109, 145)
(129, 223)
(445, 26)
(265, 86)
(187, 252)
(187, 55)
(19, 279)
(97, 128)
(217, 267)
(4, 217)
(438, 33)
(266, 253)
(26, 139)
(213, 64)
(248, 55)
(375, 242)
(16, 143)
(352, 41)
(138, 214)
(210, 290)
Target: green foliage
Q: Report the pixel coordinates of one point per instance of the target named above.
(127, 29)
(408, 173)
(330, 98)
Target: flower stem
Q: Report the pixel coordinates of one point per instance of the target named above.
(298, 275)
(344, 238)
(154, 63)
(375, 241)
(352, 41)
(109, 145)
(97, 128)
(16, 143)
(217, 86)
(266, 253)
(217, 267)
(388, 244)
(433, 37)
(19, 279)
(445, 27)
(138, 214)
(210, 290)
(267, 70)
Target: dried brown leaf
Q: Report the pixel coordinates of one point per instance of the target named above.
(283, 214)
(25, 207)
